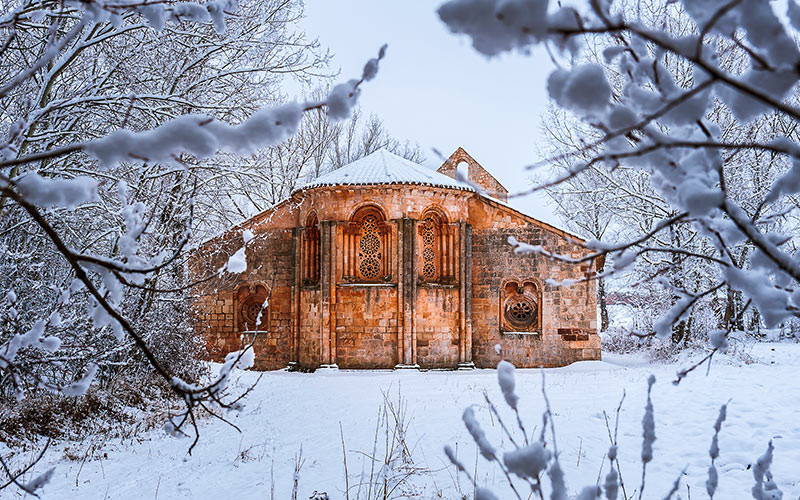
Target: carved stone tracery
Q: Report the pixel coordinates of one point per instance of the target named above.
(250, 304)
(366, 247)
(429, 271)
(520, 306)
(369, 264)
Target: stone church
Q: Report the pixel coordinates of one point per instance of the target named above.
(385, 263)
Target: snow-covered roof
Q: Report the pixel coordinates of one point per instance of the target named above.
(384, 167)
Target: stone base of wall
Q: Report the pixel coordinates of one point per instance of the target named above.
(536, 350)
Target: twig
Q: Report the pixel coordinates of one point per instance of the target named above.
(344, 459)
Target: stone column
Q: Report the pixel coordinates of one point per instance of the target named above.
(465, 296)
(294, 357)
(407, 284)
(328, 288)
(403, 349)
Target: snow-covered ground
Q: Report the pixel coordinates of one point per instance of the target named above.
(288, 411)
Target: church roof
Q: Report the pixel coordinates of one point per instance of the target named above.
(384, 167)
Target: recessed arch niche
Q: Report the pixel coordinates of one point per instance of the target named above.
(310, 253)
(251, 310)
(436, 244)
(520, 306)
(367, 246)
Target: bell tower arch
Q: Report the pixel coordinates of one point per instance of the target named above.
(462, 163)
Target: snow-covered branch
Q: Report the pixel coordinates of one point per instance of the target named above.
(683, 119)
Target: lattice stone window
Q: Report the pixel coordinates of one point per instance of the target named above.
(438, 247)
(428, 248)
(369, 264)
(366, 254)
(520, 307)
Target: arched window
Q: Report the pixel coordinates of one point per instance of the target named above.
(251, 310)
(310, 251)
(521, 307)
(369, 249)
(429, 228)
(366, 247)
(436, 247)
(462, 171)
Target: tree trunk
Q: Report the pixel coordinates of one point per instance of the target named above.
(755, 324)
(601, 301)
(678, 332)
(731, 318)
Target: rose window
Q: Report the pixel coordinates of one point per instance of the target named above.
(520, 311)
(251, 308)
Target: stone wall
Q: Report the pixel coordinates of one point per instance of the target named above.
(309, 314)
(437, 325)
(217, 306)
(568, 325)
(213, 320)
(367, 326)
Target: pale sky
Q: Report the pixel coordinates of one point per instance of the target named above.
(434, 89)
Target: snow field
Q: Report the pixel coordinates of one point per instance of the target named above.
(290, 410)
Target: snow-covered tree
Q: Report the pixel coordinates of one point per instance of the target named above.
(109, 110)
(623, 203)
(691, 130)
(661, 126)
(268, 176)
(119, 72)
